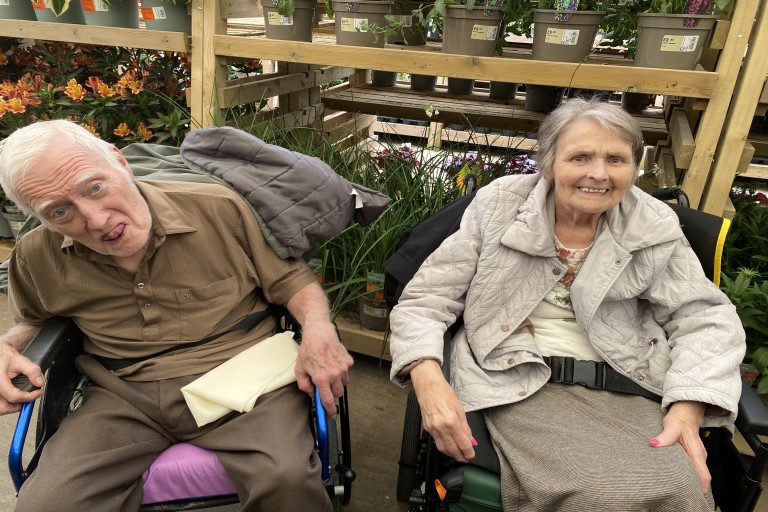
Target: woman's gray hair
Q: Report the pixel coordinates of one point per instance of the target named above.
(21, 150)
(611, 118)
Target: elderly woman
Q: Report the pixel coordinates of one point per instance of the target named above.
(578, 265)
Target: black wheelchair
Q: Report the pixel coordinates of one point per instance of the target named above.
(430, 481)
(205, 485)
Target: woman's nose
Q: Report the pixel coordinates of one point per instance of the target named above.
(598, 169)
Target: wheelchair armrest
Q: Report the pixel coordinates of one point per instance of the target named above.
(753, 416)
(50, 341)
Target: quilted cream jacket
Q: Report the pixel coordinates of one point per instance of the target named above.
(641, 298)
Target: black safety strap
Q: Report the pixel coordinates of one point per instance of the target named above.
(593, 374)
(246, 323)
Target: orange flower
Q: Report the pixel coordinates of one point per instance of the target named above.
(123, 131)
(30, 98)
(3, 59)
(90, 126)
(129, 81)
(74, 90)
(99, 87)
(16, 106)
(142, 132)
(2, 107)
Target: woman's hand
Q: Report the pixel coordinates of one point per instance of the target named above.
(441, 413)
(681, 425)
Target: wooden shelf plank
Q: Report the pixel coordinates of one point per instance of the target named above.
(361, 340)
(429, 59)
(85, 34)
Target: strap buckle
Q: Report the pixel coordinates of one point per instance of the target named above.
(567, 370)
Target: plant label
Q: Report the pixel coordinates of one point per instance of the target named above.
(672, 43)
(153, 13)
(561, 36)
(354, 24)
(274, 18)
(484, 32)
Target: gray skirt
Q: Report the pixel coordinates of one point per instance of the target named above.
(569, 448)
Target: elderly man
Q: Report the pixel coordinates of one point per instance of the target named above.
(142, 268)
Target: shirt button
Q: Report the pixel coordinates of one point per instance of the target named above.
(140, 286)
(505, 327)
(511, 360)
(640, 377)
(522, 393)
(556, 271)
(147, 305)
(617, 262)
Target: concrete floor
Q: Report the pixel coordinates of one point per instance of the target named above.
(377, 409)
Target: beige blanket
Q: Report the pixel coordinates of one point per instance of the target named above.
(236, 384)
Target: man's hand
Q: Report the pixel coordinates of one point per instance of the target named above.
(441, 411)
(681, 425)
(322, 362)
(13, 364)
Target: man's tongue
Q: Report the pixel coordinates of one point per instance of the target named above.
(114, 234)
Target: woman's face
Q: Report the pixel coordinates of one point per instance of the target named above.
(592, 171)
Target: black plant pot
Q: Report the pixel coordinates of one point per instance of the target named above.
(462, 86)
(542, 98)
(503, 90)
(636, 102)
(423, 82)
(383, 78)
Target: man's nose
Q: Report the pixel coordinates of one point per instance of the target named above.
(95, 217)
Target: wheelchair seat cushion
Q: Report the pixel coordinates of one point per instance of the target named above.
(185, 471)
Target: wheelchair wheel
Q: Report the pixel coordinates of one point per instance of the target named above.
(407, 475)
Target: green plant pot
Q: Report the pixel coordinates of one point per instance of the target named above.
(72, 15)
(564, 36)
(353, 19)
(118, 13)
(663, 40)
(296, 27)
(163, 15)
(17, 10)
(472, 32)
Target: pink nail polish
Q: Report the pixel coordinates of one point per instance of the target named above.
(474, 442)
(654, 442)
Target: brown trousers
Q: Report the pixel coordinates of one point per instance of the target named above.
(95, 460)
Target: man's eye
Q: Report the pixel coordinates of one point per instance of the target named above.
(96, 187)
(58, 213)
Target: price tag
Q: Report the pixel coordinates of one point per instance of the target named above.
(274, 18)
(354, 24)
(153, 13)
(672, 43)
(5, 2)
(484, 32)
(94, 5)
(562, 36)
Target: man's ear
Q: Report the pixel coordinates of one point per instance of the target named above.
(121, 158)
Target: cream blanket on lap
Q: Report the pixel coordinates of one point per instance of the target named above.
(236, 384)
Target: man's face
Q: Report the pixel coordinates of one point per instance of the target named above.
(82, 195)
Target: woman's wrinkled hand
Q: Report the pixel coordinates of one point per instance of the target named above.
(13, 364)
(442, 414)
(681, 425)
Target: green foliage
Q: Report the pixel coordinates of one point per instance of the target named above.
(744, 271)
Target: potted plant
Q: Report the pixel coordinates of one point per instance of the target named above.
(291, 20)
(363, 22)
(59, 11)
(668, 34)
(564, 31)
(17, 10)
(111, 13)
(169, 15)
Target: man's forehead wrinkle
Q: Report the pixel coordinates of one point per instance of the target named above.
(42, 205)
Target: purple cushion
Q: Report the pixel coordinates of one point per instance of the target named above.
(185, 471)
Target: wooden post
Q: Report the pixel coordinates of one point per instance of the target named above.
(713, 119)
(207, 73)
(745, 99)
